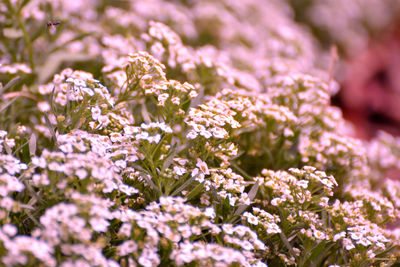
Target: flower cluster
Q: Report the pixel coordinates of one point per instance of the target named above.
(194, 133)
(172, 223)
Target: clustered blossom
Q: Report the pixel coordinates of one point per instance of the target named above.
(11, 169)
(21, 247)
(209, 121)
(354, 229)
(99, 174)
(307, 187)
(267, 221)
(15, 68)
(146, 128)
(141, 76)
(383, 154)
(229, 184)
(375, 202)
(177, 222)
(194, 133)
(296, 186)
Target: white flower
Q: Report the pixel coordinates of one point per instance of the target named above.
(142, 135)
(87, 90)
(219, 132)
(129, 130)
(339, 236)
(121, 163)
(276, 201)
(199, 175)
(319, 235)
(356, 236)
(348, 244)
(202, 166)
(193, 94)
(10, 229)
(232, 199)
(302, 183)
(191, 135)
(195, 172)
(179, 170)
(162, 98)
(365, 242)
(99, 224)
(176, 100)
(154, 139)
(209, 212)
(81, 173)
(206, 134)
(251, 218)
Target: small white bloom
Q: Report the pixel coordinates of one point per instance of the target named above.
(191, 135)
(206, 134)
(154, 139)
(276, 201)
(10, 229)
(179, 170)
(202, 166)
(302, 183)
(251, 218)
(209, 212)
(162, 98)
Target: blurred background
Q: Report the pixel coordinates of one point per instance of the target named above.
(367, 35)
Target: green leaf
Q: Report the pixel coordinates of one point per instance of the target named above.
(48, 123)
(252, 194)
(7, 148)
(195, 191)
(170, 156)
(10, 84)
(32, 145)
(316, 251)
(319, 252)
(287, 244)
(5, 105)
(150, 182)
(386, 251)
(182, 187)
(24, 3)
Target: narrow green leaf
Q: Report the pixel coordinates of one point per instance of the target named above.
(5, 105)
(150, 182)
(195, 192)
(52, 101)
(32, 145)
(53, 134)
(317, 250)
(287, 244)
(385, 252)
(252, 194)
(24, 3)
(253, 191)
(320, 254)
(183, 186)
(7, 148)
(171, 155)
(10, 84)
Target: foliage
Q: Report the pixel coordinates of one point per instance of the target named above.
(201, 139)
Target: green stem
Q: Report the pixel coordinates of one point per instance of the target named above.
(27, 41)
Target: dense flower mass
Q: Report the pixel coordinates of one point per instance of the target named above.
(182, 133)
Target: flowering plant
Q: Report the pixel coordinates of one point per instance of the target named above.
(130, 142)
